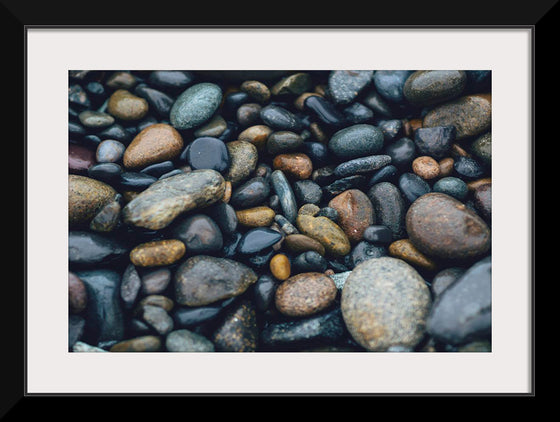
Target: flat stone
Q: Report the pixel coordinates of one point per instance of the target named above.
(87, 249)
(257, 240)
(157, 206)
(156, 143)
(201, 280)
(283, 189)
(385, 303)
(305, 294)
(296, 165)
(157, 253)
(208, 153)
(95, 119)
(283, 141)
(138, 344)
(345, 85)
(157, 318)
(428, 87)
(356, 141)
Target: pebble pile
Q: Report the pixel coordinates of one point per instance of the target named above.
(289, 211)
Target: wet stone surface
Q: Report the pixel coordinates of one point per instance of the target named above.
(279, 211)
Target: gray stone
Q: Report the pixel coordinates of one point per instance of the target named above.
(288, 201)
(195, 106)
(187, 341)
(344, 86)
(356, 141)
(389, 207)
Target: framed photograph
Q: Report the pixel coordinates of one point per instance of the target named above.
(272, 105)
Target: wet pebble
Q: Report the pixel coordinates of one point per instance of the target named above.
(199, 233)
(154, 144)
(345, 85)
(157, 253)
(452, 186)
(356, 141)
(126, 106)
(195, 106)
(183, 341)
(305, 294)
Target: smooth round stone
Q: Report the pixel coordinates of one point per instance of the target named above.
(257, 90)
(481, 148)
(428, 87)
(388, 173)
(200, 234)
(280, 266)
(279, 118)
(77, 294)
(425, 167)
(324, 111)
(378, 234)
(356, 141)
(309, 209)
(385, 303)
(107, 218)
(86, 197)
(121, 80)
(305, 294)
(187, 341)
(157, 253)
(444, 278)
(135, 181)
(389, 206)
(131, 285)
(156, 143)
(463, 311)
(157, 206)
(201, 280)
(243, 161)
(283, 141)
(252, 193)
(471, 115)
(126, 106)
(317, 151)
(103, 315)
(256, 217)
(257, 135)
(109, 151)
(468, 168)
(365, 250)
(452, 186)
(357, 113)
(158, 101)
(156, 281)
(435, 141)
(361, 165)
(148, 343)
(297, 165)
(326, 232)
(294, 84)
(195, 106)
(214, 128)
(80, 159)
(309, 261)
(190, 317)
(238, 331)
(95, 119)
(263, 292)
(355, 212)
(298, 243)
(171, 80)
(285, 225)
(446, 167)
(78, 97)
(208, 153)
(482, 198)
(323, 328)
(283, 189)
(157, 318)
(257, 240)
(344, 86)
(440, 226)
(413, 186)
(405, 250)
(248, 114)
(389, 84)
(307, 192)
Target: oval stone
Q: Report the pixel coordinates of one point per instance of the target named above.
(202, 280)
(296, 165)
(187, 341)
(195, 106)
(157, 206)
(405, 250)
(355, 212)
(138, 344)
(356, 141)
(156, 143)
(208, 153)
(280, 266)
(243, 161)
(256, 217)
(305, 294)
(326, 232)
(126, 106)
(427, 87)
(385, 303)
(471, 115)
(440, 226)
(389, 207)
(157, 253)
(301, 243)
(200, 234)
(86, 197)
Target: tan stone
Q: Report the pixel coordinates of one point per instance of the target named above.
(157, 252)
(156, 143)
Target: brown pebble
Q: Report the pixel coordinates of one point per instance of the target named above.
(325, 231)
(123, 80)
(86, 197)
(256, 90)
(415, 124)
(458, 151)
(138, 344)
(154, 144)
(154, 300)
(446, 166)
(256, 217)
(227, 192)
(318, 133)
(299, 101)
(475, 184)
(426, 167)
(405, 250)
(298, 243)
(280, 266)
(305, 294)
(124, 105)
(309, 209)
(257, 135)
(77, 294)
(157, 252)
(355, 213)
(297, 165)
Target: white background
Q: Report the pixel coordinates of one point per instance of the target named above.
(52, 52)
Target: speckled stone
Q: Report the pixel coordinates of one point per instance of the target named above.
(294, 84)
(279, 118)
(385, 303)
(107, 218)
(444, 278)
(389, 84)
(280, 266)
(138, 344)
(286, 195)
(425, 167)
(86, 197)
(452, 186)
(183, 340)
(283, 141)
(482, 199)
(257, 135)
(126, 106)
(257, 90)
(355, 212)
(470, 114)
(157, 253)
(440, 226)
(238, 331)
(404, 249)
(256, 217)
(156, 143)
(361, 165)
(428, 87)
(243, 161)
(201, 280)
(345, 85)
(326, 232)
(305, 294)
(157, 206)
(195, 106)
(356, 141)
(481, 148)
